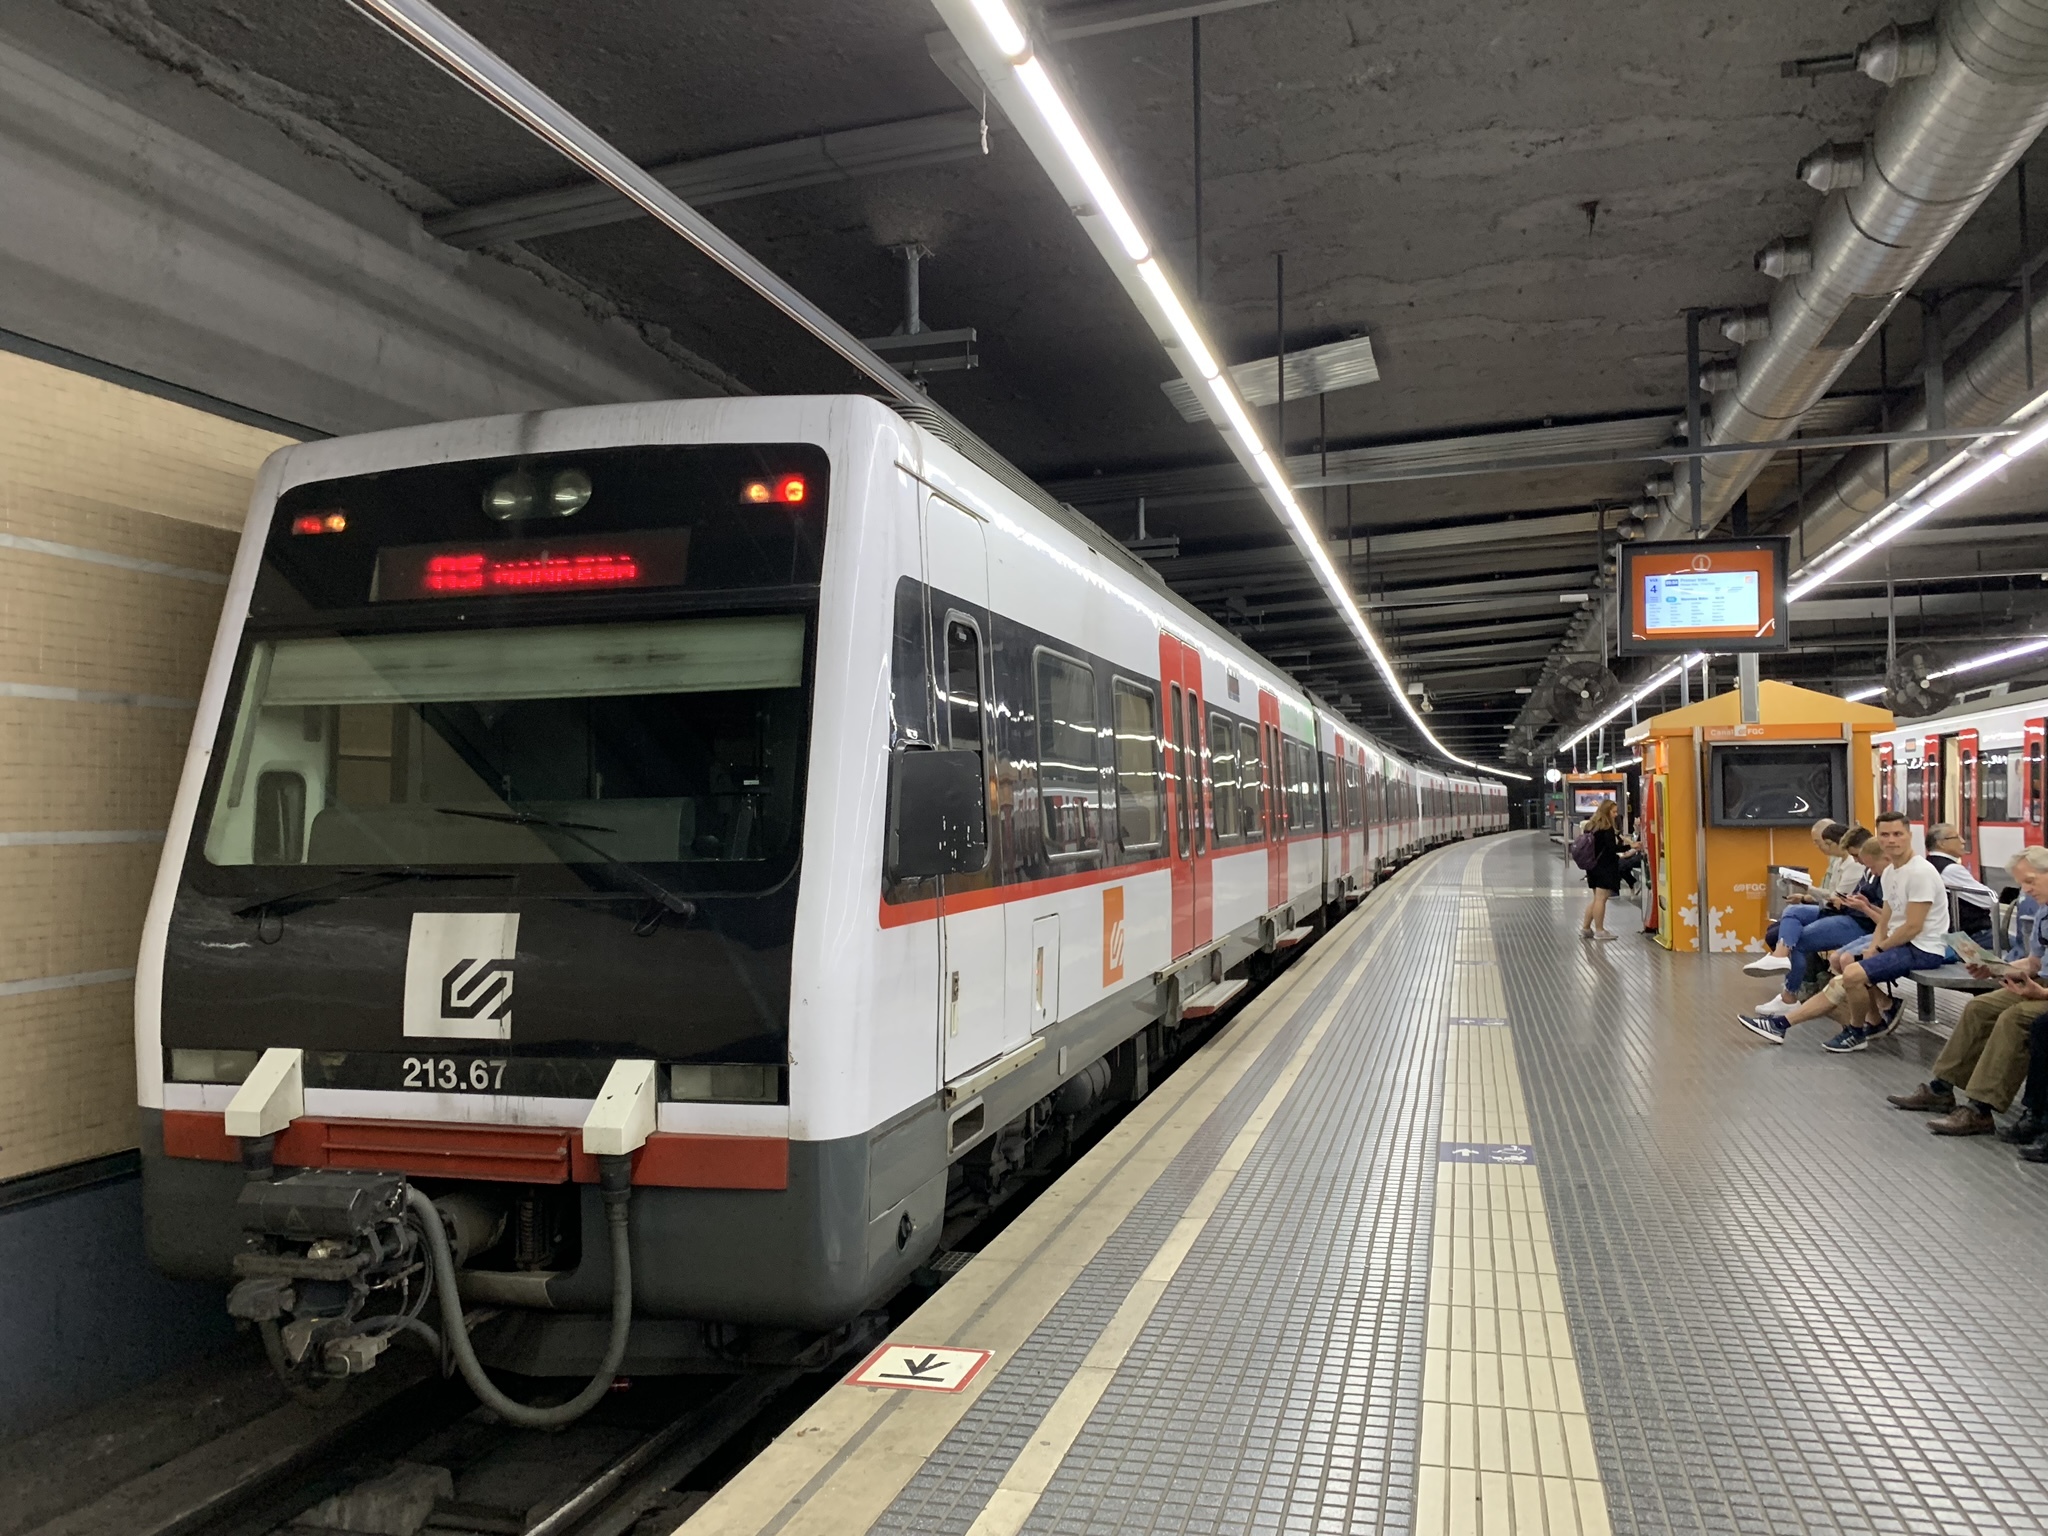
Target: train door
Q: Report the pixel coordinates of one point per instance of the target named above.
(971, 942)
(1276, 800)
(1965, 794)
(1180, 673)
(2029, 796)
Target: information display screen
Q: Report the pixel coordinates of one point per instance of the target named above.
(654, 558)
(1704, 595)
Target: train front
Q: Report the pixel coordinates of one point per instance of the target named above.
(476, 924)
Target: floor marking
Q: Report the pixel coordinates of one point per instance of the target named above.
(1024, 1484)
(920, 1367)
(1506, 1446)
(842, 1463)
(1513, 1153)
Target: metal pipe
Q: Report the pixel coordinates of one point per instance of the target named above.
(1504, 466)
(457, 52)
(1942, 141)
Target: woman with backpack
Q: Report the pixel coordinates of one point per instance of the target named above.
(1597, 850)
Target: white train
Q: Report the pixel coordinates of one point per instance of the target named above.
(769, 799)
(1977, 765)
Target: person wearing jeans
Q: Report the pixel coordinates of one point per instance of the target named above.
(1851, 921)
(1843, 874)
(1986, 1058)
(1911, 935)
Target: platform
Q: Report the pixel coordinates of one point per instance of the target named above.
(1469, 1225)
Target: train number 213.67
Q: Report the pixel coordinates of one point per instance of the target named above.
(450, 1074)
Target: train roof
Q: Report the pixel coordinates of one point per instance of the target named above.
(1978, 704)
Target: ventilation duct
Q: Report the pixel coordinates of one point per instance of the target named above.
(1834, 167)
(1942, 140)
(1786, 256)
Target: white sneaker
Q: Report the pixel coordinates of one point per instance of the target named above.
(1775, 1008)
(1768, 965)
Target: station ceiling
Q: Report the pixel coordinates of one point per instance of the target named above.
(1515, 205)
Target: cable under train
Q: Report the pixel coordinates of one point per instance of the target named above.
(644, 870)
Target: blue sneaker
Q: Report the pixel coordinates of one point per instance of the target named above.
(1773, 1030)
(1848, 1040)
(1890, 1020)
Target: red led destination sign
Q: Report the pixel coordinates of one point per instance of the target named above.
(412, 572)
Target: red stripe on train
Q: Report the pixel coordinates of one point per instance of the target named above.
(515, 1154)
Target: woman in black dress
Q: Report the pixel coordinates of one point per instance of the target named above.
(1604, 878)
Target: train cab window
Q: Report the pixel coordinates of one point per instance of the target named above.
(1069, 776)
(1251, 778)
(1137, 766)
(964, 711)
(659, 743)
(280, 831)
(1223, 776)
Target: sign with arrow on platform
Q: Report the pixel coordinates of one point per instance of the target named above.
(920, 1367)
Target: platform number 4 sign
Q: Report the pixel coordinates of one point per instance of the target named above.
(920, 1367)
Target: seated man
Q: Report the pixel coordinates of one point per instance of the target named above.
(1843, 926)
(1987, 1054)
(1911, 935)
(2032, 1127)
(1975, 901)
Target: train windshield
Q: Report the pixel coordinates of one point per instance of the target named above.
(665, 743)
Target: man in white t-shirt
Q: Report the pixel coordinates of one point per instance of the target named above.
(1912, 935)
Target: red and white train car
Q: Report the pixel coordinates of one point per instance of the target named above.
(770, 792)
(1977, 765)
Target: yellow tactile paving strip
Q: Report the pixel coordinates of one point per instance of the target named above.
(1506, 1449)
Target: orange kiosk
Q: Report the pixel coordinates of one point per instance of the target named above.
(1724, 801)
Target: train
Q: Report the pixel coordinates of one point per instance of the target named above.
(645, 872)
(1976, 765)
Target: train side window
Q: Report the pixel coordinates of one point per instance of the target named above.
(1916, 791)
(1354, 795)
(1191, 771)
(1992, 781)
(963, 683)
(1333, 815)
(1223, 775)
(910, 693)
(1251, 780)
(1137, 766)
(1174, 722)
(2034, 783)
(1069, 776)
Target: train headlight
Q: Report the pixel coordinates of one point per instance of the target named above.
(518, 495)
(511, 496)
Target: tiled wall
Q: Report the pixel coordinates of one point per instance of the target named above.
(118, 519)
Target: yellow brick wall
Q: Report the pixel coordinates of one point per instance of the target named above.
(98, 467)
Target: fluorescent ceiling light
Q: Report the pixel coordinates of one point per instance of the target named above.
(1657, 683)
(1003, 30)
(1046, 97)
(999, 27)
(1858, 695)
(1992, 658)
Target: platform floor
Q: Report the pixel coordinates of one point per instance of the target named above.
(1468, 1225)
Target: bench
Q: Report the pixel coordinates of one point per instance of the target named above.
(1953, 977)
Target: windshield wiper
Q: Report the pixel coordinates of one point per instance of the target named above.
(353, 883)
(682, 906)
